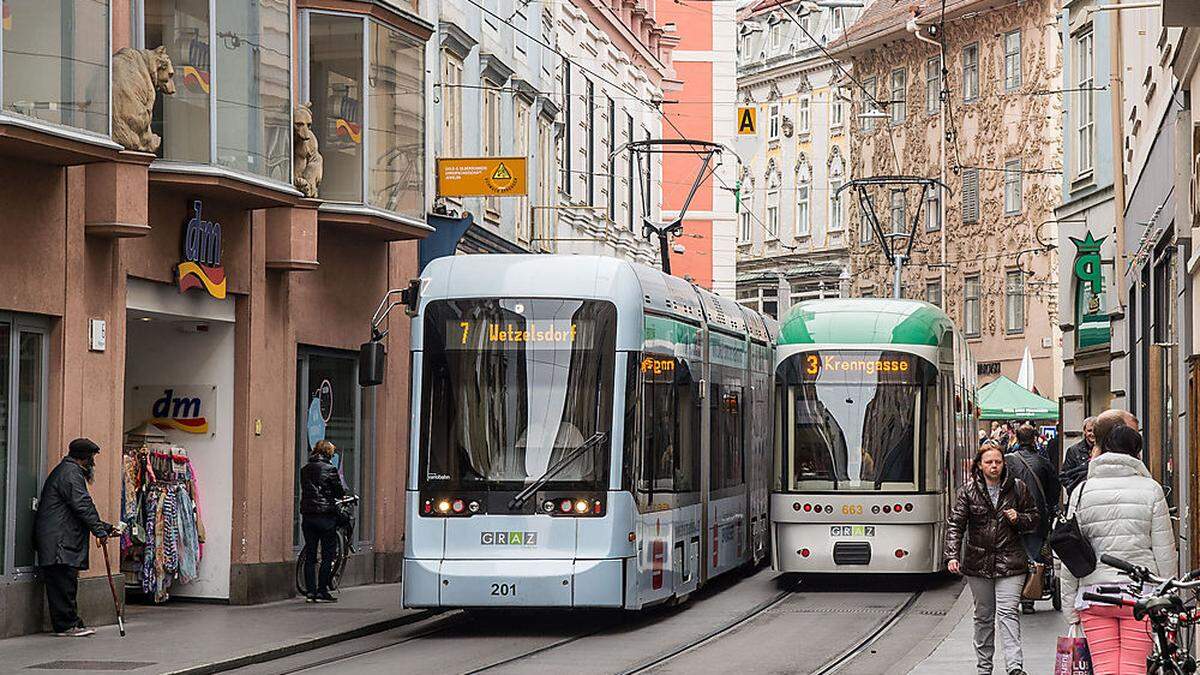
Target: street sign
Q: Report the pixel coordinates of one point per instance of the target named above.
(747, 121)
(481, 177)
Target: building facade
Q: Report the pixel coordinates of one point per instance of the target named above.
(985, 250)
(793, 238)
(193, 298)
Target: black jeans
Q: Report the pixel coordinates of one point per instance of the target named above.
(319, 529)
(62, 585)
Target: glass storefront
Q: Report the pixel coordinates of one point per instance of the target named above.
(23, 353)
(56, 61)
(397, 116)
(240, 54)
(335, 52)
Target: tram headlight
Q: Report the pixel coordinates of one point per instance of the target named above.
(582, 506)
(444, 506)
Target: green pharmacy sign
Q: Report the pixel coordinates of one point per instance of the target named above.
(1092, 328)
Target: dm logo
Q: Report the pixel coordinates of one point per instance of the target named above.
(201, 264)
(179, 412)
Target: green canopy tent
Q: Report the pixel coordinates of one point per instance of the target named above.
(1004, 399)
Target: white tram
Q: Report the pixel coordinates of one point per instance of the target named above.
(586, 432)
(874, 431)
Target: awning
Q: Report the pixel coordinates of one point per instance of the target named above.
(1004, 399)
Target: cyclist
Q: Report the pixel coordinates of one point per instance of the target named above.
(320, 487)
(1122, 512)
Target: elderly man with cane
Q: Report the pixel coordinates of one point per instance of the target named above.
(65, 517)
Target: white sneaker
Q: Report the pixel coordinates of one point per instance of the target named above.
(78, 631)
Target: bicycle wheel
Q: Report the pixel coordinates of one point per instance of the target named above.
(339, 562)
(301, 583)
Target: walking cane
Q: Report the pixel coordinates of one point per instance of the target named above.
(113, 588)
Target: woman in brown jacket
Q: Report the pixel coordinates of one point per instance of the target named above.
(983, 543)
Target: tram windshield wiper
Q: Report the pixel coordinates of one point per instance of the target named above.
(524, 495)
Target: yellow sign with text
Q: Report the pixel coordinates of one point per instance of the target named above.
(481, 177)
(748, 121)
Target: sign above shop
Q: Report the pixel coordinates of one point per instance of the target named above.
(1087, 261)
(481, 177)
(1092, 328)
(201, 266)
(175, 407)
(987, 368)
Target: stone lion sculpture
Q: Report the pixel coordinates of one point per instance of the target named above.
(306, 159)
(137, 75)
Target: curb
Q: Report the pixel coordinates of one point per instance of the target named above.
(304, 645)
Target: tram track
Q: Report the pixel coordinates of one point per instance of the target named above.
(835, 664)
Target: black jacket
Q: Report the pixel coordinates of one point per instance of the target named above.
(1075, 465)
(65, 516)
(320, 485)
(980, 537)
(1036, 472)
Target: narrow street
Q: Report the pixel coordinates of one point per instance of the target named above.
(761, 623)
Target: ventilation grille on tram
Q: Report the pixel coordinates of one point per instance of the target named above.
(852, 553)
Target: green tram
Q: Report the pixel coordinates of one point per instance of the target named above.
(874, 431)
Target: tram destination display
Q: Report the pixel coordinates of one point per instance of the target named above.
(518, 334)
(851, 366)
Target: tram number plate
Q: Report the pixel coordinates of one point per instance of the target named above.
(852, 530)
(504, 590)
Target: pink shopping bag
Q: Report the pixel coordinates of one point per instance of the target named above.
(1073, 657)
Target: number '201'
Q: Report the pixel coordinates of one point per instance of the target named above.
(504, 590)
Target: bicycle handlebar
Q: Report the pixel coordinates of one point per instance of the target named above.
(348, 499)
(1113, 561)
(1106, 599)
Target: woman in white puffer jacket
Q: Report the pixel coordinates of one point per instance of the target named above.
(1122, 512)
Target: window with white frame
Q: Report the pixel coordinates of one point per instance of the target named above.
(1012, 60)
(773, 123)
(1012, 186)
(899, 104)
(802, 210)
(491, 134)
(970, 72)
(870, 95)
(744, 216)
(971, 305)
(776, 31)
(805, 114)
(837, 19)
(773, 214)
(933, 292)
(933, 85)
(1014, 302)
(837, 109)
(1085, 111)
(899, 200)
(545, 187)
(970, 195)
(837, 216)
(933, 209)
(451, 95)
(866, 230)
(521, 113)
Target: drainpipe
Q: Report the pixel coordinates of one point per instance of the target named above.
(1118, 132)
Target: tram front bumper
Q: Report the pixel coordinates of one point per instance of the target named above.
(513, 583)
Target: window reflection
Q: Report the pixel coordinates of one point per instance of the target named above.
(397, 112)
(56, 61)
(182, 120)
(335, 85)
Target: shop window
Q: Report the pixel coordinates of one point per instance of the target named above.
(233, 100)
(23, 354)
(389, 71)
(56, 62)
(331, 405)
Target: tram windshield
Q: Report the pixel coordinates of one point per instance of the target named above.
(852, 420)
(513, 385)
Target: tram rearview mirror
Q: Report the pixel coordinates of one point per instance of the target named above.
(371, 357)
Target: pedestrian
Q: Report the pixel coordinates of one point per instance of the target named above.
(983, 436)
(66, 515)
(1106, 421)
(1122, 512)
(983, 543)
(1039, 476)
(320, 487)
(1074, 466)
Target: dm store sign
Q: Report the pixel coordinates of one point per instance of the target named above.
(201, 266)
(183, 408)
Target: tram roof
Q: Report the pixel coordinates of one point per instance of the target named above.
(864, 321)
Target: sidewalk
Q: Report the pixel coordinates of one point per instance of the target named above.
(202, 638)
(956, 653)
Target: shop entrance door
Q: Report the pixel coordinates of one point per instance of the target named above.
(23, 355)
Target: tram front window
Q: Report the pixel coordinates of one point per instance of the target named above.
(511, 386)
(851, 420)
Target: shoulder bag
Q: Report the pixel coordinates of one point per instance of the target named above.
(1069, 544)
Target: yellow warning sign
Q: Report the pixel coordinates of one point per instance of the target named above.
(481, 177)
(748, 121)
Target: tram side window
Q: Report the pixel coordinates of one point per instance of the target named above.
(669, 442)
(726, 466)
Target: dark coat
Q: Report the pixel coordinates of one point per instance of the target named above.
(981, 538)
(1075, 465)
(65, 516)
(320, 485)
(1036, 472)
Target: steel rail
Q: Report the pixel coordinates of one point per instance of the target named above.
(871, 638)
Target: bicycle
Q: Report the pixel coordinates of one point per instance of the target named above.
(1172, 624)
(345, 546)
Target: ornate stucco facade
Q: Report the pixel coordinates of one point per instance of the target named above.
(987, 253)
(792, 234)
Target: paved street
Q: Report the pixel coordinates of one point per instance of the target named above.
(761, 623)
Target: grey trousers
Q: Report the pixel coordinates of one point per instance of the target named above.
(997, 601)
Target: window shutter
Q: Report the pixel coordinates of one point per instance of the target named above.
(970, 196)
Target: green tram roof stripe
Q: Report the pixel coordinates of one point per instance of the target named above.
(864, 321)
